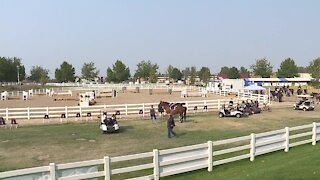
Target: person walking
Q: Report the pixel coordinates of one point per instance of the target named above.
(153, 114)
(170, 126)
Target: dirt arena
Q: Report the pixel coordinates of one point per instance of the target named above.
(122, 98)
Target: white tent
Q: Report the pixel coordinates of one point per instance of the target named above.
(254, 87)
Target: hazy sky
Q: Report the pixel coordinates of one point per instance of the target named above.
(178, 32)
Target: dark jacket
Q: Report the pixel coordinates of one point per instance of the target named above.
(170, 122)
(152, 112)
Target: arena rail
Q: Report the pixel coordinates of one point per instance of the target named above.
(123, 110)
(118, 87)
(178, 160)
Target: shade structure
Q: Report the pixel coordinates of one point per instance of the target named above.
(254, 87)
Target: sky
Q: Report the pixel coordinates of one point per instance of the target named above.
(182, 33)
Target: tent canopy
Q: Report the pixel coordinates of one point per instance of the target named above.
(254, 87)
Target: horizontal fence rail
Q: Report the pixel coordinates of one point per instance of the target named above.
(123, 110)
(178, 160)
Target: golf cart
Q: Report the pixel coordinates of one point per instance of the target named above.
(109, 125)
(304, 104)
(230, 112)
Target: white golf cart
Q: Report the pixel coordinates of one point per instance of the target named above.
(305, 104)
(230, 113)
(109, 125)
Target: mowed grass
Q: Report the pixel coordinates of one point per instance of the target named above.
(31, 146)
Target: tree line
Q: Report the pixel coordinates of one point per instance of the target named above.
(12, 68)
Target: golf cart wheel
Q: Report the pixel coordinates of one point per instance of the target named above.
(238, 115)
(221, 115)
(304, 109)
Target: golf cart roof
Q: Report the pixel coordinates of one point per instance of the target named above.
(304, 96)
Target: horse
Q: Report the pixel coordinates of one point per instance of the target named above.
(274, 95)
(316, 96)
(176, 108)
(277, 95)
(299, 91)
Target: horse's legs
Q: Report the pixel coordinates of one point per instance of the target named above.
(181, 118)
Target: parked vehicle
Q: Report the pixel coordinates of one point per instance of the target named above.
(230, 113)
(305, 105)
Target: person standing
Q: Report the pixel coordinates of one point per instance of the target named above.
(170, 126)
(153, 114)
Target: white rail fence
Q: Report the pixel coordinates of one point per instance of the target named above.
(122, 110)
(248, 95)
(81, 86)
(161, 163)
(117, 87)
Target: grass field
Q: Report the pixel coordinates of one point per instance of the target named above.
(31, 146)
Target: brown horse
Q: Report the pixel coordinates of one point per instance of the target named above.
(173, 108)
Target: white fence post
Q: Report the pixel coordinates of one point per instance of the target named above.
(314, 133)
(126, 105)
(28, 113)
(187, 105)
(107, 171)
(156, 164)
(219, 104)
(66, 111)
(143, 108)
(253, 146)
(7, 114)
(80, 109)
(210, 156)
(52, 167)
(287, 141)
(48, 111)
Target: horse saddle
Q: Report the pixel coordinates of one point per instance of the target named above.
(173, 105)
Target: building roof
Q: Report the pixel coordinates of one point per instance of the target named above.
(222, 76)
(244, 76)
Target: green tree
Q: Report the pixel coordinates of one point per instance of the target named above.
(176, 74)
(147, 71)
(262, 68)
(119, 72)
(314, 69)
(9, 68)
(244, 70)
(224, 70)
(186, 73)
(233, 73)
(288, 69)
(302, 69)
(204, 74)
(89, 71)
(39, 74)
(66, 73)
(193, 74)
(169, 71)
